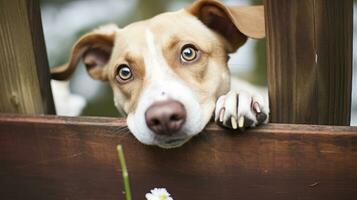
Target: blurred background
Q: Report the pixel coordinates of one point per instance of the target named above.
(64, 21)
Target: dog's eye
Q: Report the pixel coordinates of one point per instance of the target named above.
(124, 73)
(188, 53)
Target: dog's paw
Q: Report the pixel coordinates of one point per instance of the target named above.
(239, 110)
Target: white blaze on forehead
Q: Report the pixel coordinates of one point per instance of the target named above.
(154, 58)
(158, 73)
(151, 59)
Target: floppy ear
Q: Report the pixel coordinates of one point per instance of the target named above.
(235, 24)
(95, 49)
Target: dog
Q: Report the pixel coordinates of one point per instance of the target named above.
(169, 74)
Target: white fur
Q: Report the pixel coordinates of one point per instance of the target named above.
(238, 101)
(66, 103)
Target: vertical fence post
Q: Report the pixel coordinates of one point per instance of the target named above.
(24, 73)
(309, 56)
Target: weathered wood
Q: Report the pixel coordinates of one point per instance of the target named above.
(42, 66)
(75, 158)
(24, 72)
(309, 56)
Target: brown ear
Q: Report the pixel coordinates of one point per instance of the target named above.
(235, 24)
(95, 49)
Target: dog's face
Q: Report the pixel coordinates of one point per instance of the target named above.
(168, 62)
(167, 72)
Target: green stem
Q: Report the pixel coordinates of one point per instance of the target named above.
(124, 172)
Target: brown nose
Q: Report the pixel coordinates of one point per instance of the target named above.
(165, 117)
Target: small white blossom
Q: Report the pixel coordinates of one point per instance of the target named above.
(158, 194)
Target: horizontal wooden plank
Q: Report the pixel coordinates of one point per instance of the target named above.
(48, 157)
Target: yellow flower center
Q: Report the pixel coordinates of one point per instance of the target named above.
(163, 197)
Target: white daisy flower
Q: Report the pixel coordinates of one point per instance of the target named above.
(158, 194)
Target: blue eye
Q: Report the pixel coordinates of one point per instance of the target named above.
(188, 53)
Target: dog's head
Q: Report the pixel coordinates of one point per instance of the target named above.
(167, 72)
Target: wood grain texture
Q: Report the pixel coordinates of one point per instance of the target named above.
(75, 158)
(24, 77)
(42, 66)
(309, 56)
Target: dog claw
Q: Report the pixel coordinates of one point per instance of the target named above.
(234, 123)
(221, 114)
(241, 122)
(256, 107)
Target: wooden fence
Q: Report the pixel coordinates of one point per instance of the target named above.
(309, 50)
(75, 158)
(24, 72)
